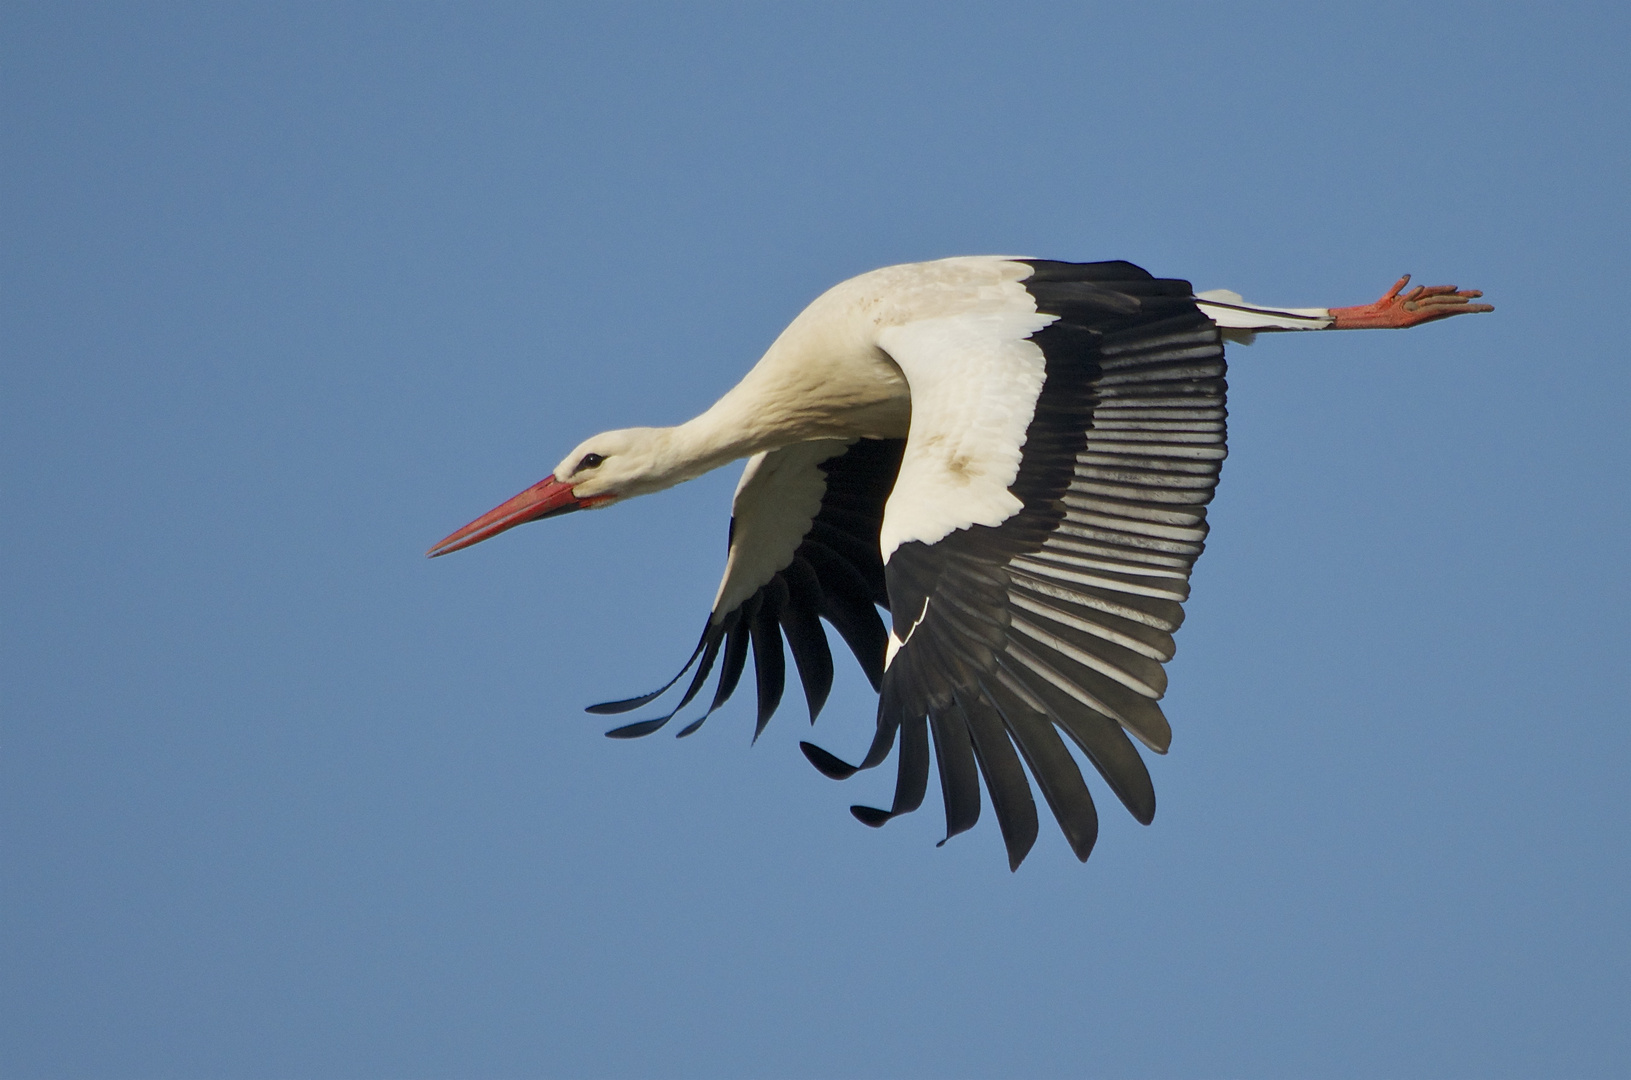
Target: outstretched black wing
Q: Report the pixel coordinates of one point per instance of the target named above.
(803, 547)
(1059, 617)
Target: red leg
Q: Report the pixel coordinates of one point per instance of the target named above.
(1424, 303)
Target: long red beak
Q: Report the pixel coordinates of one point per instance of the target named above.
(546, 498)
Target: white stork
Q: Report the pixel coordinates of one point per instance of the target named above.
(1013, 457)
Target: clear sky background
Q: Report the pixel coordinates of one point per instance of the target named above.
(290, 292)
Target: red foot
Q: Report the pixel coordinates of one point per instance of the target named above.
(1424, 303)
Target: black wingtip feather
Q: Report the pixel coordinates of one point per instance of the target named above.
(801, 625)
(638, 729)
(612, 708)
(1004, 778)
(1103, 741)
(828, 765)
(1051, 764)
(870, 816)
(959, 776)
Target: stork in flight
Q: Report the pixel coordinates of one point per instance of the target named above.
(1013, 457)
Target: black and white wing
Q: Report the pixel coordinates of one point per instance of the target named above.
(1066, 434)
(803, 547)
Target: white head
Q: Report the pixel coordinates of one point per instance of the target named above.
(612, 466)
(616, 465)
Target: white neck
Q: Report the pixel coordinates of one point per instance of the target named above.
(733, 427)
(823, 378)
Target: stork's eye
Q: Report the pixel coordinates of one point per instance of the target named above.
(589, 461)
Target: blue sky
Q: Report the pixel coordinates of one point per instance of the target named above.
(290, 292)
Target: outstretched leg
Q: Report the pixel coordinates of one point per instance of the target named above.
(1424, 303)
